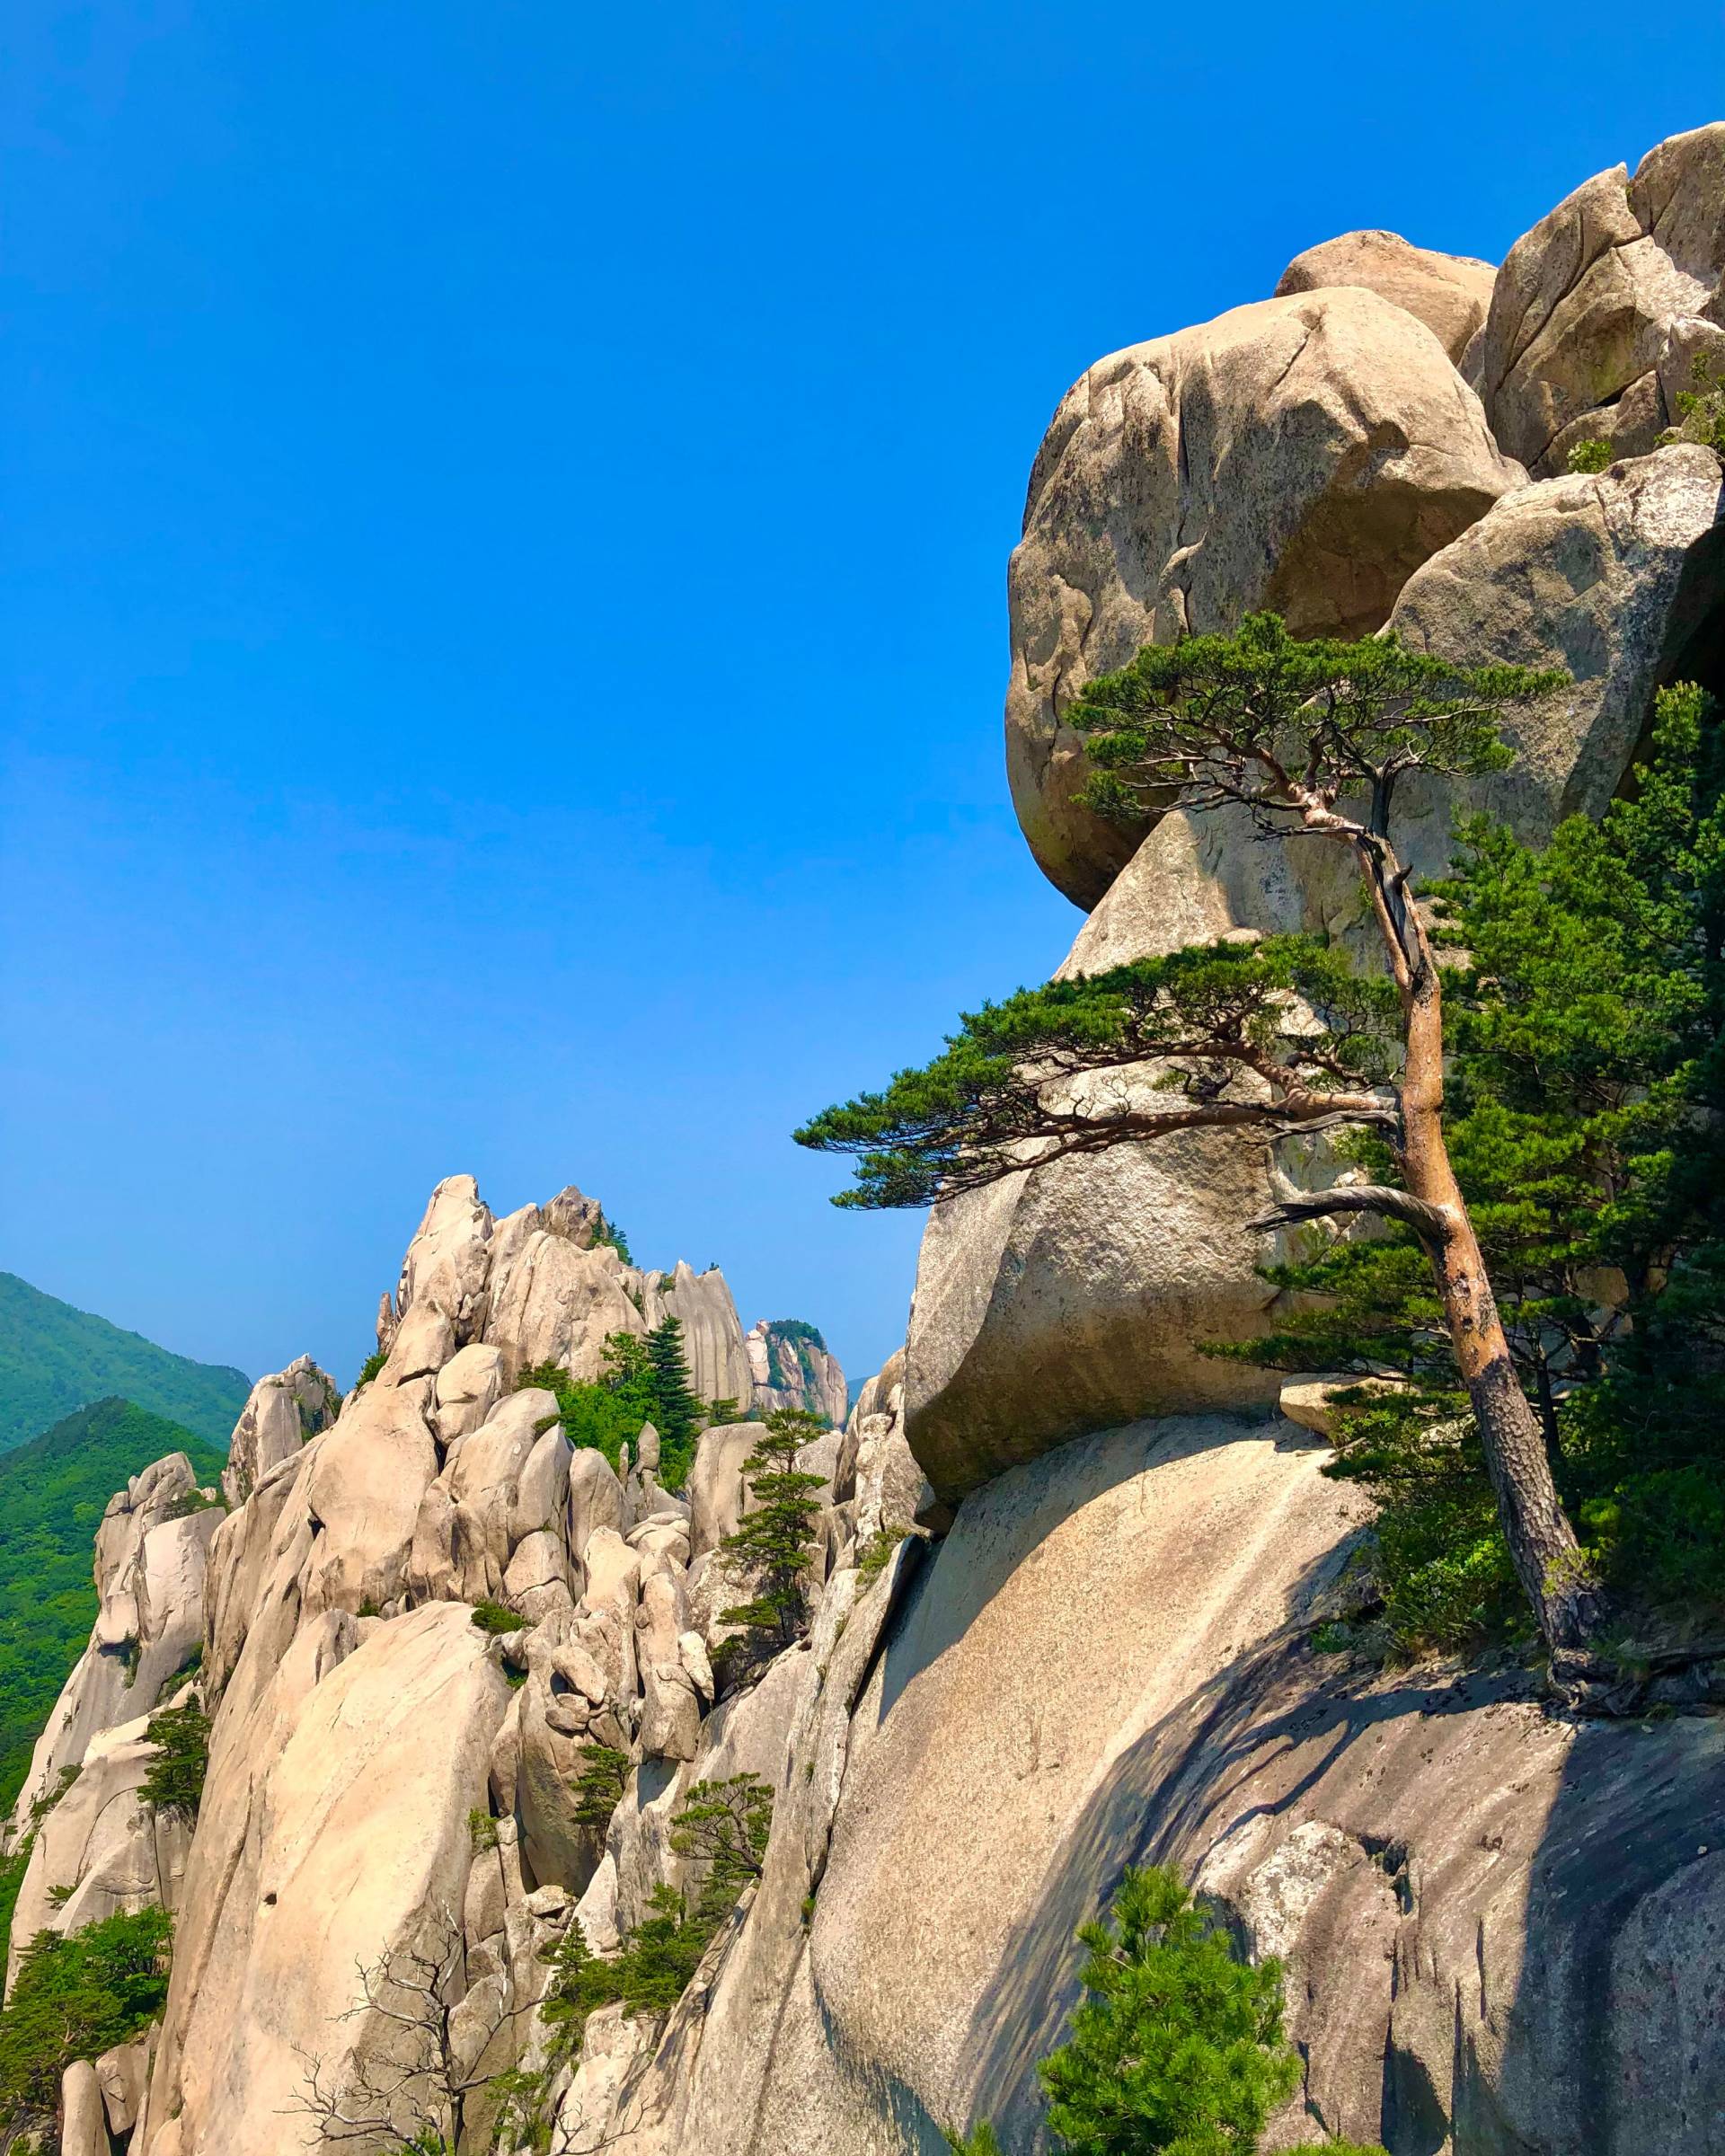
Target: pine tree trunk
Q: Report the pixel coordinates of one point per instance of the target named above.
(1542, 1546)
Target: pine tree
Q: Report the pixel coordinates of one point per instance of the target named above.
(1588, 1082)
(1177, 2043)
(677, 1412)
(771, 1544)
(1307, 739)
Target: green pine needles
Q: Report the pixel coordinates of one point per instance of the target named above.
(723, 1827)
(640, 1381)
(1587, 1081)
(677, 1412)
(175, 1783)
(1177, 2044)
(771, 1544)
(599, 1782)
(1304, 741)
(74, 1998)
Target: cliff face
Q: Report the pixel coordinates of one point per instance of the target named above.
(1505, 1929)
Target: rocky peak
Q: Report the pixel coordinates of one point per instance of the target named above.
(792, 1366)
(577, 1219)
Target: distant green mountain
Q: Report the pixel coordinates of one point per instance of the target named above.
(52, 1493)
(55, 1359)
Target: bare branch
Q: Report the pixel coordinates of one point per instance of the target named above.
(1431, 1223)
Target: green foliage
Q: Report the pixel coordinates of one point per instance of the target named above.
(724, 1826)
(175, 1783)
(53, 1493)
(482, 1830)
(791, 1346)
(1587, 1130)
(194, 1501)
(74, 1998)
(55, 1360)
(1593, 455)
(369, 1368)
(984, 2141)
(642, 1381)
(676, 1413)
(772, 1542)
(608, 1236)
(1700, 410)
(494, 1618)
(12, 1870)
(522, 2120)
(648, 1975)
(964, 1120)
(876, 1553)
(1337, 2148)
(1193, 718)
(599, 1783)
(1177, 2043)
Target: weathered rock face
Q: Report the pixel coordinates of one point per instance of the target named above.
(334, 1824)
(1077, 1295)
(1109, 1643)
(712, 1333)
(1449, 293)
(793, 1366)
(1306, 453)
(1619, 579)
(283, 1411)
(151, 1553)
(1109, 1646)
(1598, 309)
(100, 1849)
(1502, 1929)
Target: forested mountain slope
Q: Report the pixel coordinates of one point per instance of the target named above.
(55, 1359)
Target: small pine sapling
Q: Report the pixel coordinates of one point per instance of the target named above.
(772, 1543)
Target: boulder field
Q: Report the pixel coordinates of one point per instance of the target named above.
(1068, 1568)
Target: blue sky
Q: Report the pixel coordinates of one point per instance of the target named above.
(501, 574)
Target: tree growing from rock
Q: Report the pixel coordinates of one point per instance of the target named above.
(677, 1412)
(1586, 1033)
(74, 1998)
(404, 2087)
(723, 1827)
(772, 1543)
(1177, 2044)
(175, 1783)
(1307, 742)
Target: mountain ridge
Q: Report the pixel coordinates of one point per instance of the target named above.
(56, 1360)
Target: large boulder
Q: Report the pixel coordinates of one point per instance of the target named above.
(554, 1302)
(1597, 309)
(1449, 293)
(1069, 1297)
(1074, 1296)
(712, 1333)
(1306, 453)
(1503, 1931)
(1619, 579)
(794, 1367)
(361, 1490)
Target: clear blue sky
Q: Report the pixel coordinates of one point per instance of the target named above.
(501, 584)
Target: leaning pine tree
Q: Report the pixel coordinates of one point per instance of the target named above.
(1272, 1040)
